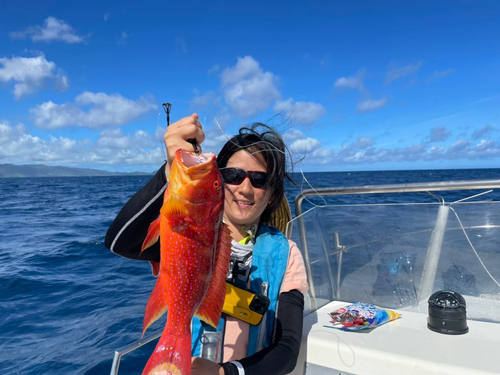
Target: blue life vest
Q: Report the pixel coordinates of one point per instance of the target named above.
(269, 261)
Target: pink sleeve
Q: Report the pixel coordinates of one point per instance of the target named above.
(295, 277)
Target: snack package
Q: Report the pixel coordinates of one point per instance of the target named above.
(361, 316)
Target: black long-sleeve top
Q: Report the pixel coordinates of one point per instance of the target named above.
(130, 227)
(125, 236)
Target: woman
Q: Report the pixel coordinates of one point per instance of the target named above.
(252, 165)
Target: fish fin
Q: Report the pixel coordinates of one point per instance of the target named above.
(152, 236)
(172, 353)
(210, 308)
(157, 306)
(176, 213)
(155, 268)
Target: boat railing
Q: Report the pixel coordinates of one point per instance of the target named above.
(331, 248)
(130, 348)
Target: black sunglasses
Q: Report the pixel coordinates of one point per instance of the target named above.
(235, 176)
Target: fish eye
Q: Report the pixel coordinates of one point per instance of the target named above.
(216, 184)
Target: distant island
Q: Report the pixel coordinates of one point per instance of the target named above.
(41, 170)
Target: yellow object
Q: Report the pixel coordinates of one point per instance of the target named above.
(241, 304)
(245, 240)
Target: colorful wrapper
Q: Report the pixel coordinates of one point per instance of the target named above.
(361, 316)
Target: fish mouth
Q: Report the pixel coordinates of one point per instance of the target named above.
(191, 159)
(196, 166)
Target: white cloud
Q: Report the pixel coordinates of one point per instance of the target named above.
(394, 72)
(139, 151)
(103, 110)
(22, 89)
(363, 152)
(213, 69)
(123, 40)
(292, 135)
(438, 75)
(439, 134)
(352, 83)
(18, 146)
(304, 113)
(306, 145)
(458, 148)
(480, 132)
(52, 29)
(31, 74)
(365, 101)
(244, 68)
(9, 133)
(208, 99)
(370, 105)
(115, 139)
(247, 88)
(487, 146)
(364, 142)
(307, 149)
(348, 83)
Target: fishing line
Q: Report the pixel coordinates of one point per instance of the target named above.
(473, 248)
(215, 119)
(314, 206)
(439, 198)
(163, 147)
(467, 237)
(317, 193)
(473, 196)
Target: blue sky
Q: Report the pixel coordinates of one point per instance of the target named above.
(353, 85)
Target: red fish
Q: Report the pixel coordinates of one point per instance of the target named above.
(195, 253)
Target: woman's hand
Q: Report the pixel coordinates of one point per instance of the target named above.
(201, 366)
(177, 135)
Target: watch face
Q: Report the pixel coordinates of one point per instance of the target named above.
(259, 304)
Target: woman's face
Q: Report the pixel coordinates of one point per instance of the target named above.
(244, 203)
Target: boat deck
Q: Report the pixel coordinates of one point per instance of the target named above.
(403, 346)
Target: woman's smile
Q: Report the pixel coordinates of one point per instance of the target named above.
(245, 203)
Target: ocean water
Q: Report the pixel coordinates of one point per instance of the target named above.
(66, 302)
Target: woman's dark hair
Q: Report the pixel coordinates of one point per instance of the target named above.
(260, 138)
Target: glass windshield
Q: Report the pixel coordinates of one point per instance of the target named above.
(383, 254)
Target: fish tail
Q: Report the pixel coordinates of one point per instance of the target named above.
(157, 304)
(172, 353)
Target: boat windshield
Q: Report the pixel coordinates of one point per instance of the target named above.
(396, 254)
